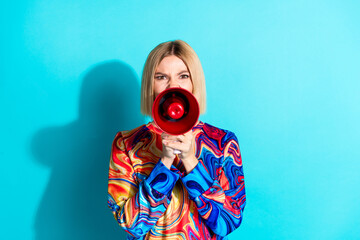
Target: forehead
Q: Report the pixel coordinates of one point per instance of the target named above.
(171, 63)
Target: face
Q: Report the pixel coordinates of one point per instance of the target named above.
(172, 72)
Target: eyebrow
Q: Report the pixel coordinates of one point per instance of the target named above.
(160, 73)
(184, 71)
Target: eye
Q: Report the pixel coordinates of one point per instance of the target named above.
(160, 77)
(184, 76)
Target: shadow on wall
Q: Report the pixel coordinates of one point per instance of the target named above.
(74, 205)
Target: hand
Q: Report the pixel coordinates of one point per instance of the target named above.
(185, 143)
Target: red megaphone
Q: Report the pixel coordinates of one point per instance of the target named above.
(175, 111)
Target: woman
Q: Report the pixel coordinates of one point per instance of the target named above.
(155, 193)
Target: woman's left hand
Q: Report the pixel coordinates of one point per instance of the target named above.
(185, 143)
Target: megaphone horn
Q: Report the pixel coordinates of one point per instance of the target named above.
(175, 111)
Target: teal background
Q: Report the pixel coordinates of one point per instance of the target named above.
(283, 75)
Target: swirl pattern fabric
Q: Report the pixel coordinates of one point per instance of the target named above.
(152, 202)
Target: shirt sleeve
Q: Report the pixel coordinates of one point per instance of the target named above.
(137, 206)
(219, 201)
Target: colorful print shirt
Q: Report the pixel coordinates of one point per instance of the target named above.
(151, 201)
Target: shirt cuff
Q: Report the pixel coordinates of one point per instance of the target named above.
(197, 181)
(162, 179)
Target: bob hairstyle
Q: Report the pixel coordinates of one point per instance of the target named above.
(183, 51)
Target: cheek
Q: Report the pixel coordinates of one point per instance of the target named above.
(190, 86)
(158, 88)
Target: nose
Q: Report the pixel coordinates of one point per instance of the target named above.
(173, 84)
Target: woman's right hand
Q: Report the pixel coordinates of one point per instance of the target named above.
(168, 155)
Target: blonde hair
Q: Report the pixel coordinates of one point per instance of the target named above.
(183, 51)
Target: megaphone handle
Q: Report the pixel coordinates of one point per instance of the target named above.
(177, 151)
